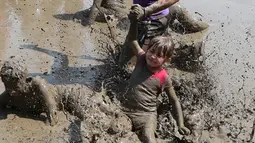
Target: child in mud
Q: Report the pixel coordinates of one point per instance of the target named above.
(35, 95)
(26, 93)
(147, 81)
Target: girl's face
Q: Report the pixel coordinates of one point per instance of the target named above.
(155, 58)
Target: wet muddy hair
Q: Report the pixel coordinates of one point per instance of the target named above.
(12, 71)
(164, 45)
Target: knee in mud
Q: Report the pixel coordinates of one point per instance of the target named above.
(148, 135)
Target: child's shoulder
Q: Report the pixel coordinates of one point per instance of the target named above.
(163, 76)
(163, 73)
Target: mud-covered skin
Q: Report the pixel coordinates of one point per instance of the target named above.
(32, 99)
(26, 93)
(96, 12)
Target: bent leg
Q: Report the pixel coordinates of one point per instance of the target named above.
(148, 131)
(94, 13)
(145, 125)
(189, 23)
(97, 12)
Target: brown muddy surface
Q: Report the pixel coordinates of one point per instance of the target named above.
(33, 129)
(230, 60)
(65, 52)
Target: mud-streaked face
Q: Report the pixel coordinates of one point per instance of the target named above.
(154, 57)
(12, 86)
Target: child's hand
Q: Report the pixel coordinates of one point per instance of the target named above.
(132, 17)
(184, 130)
(53, 117)
(137, 11)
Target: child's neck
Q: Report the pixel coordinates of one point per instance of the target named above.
(154, 69)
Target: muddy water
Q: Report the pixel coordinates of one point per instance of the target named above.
(230, 44)
(230, 57)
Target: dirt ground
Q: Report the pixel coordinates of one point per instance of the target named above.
(64, 52)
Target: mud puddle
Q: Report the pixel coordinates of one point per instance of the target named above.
(16, 128)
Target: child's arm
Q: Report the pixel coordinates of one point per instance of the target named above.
(132, 35)
(177, 109)
(48, 98)
(158, 6)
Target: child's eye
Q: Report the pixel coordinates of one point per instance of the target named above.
(159, 55)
